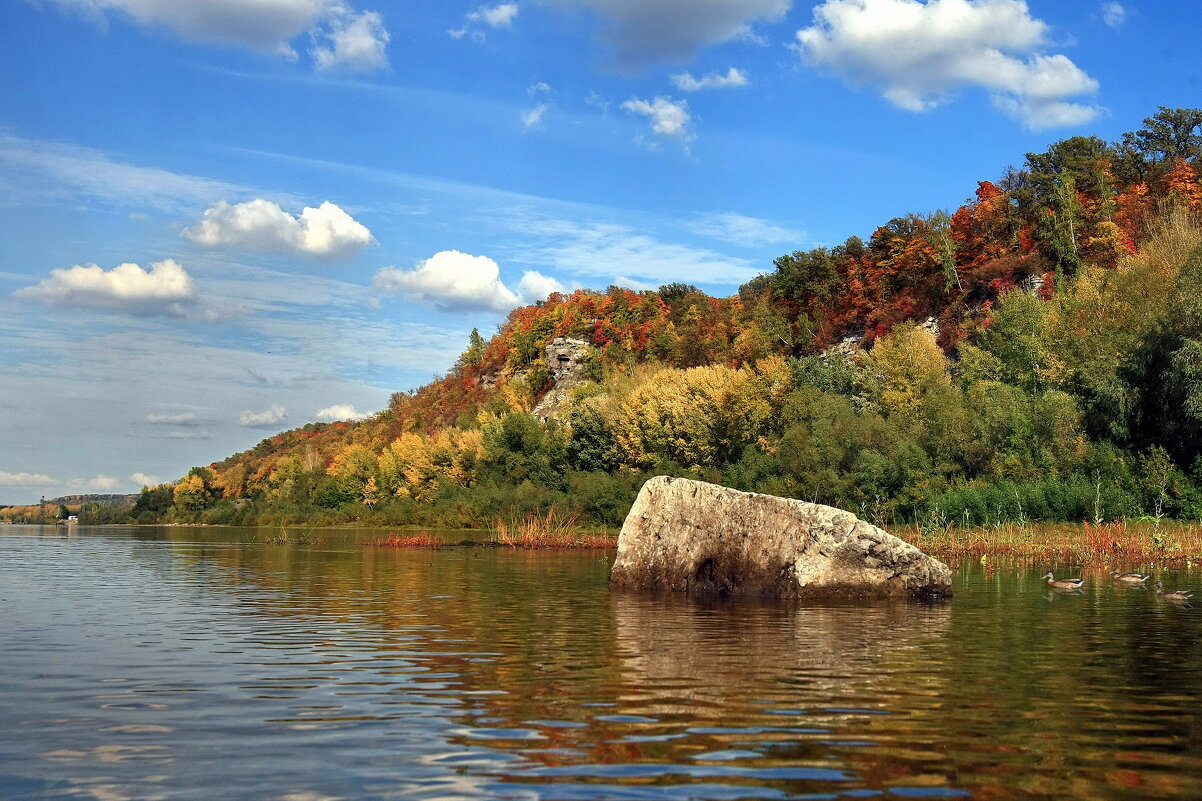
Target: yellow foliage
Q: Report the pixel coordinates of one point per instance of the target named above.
(189, 493)
(417, 464)
(910, 364)
(1106, 313)
(695, 417)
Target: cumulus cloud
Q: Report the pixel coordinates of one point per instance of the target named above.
(351, 43)
(669, 118)
(920, 54)
(685, 82)
(353, 40)
(498, 16)
(535, 286)
(337, 412)
(100, 483)
(24, 479)
(265, 419)
(165, 289)
(1114, 15)
(451, 281)
(630, 283)
(650, 31)
(326, 231)
(143, 480)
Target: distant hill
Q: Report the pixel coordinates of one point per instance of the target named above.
(103, 500)
(1034, 354)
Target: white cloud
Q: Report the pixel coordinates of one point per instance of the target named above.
(604, 251)
(339, 411)
(743, 230)
(101, 483)
(534, 117)
(189, 435)
(185, 419)
(265, 419)
(451, 280)
(351, 43)
(498, 16)
(67, 172)
(648, 31)
(144, 480)
(540, 88)
(326, 231)
(920, 54)
(357, 39)
(1114, 15)
(535, 286)
(637, 286)
(668, 118)
(165, 289)
(685, 82)
(24, 479)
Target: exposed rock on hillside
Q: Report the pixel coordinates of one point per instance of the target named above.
(694, 537)
(566, 364)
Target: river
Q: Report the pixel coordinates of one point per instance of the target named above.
(177, 663)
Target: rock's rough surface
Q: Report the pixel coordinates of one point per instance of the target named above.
(694, 537)
(566, 364)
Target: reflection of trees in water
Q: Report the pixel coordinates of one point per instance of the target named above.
(998, 692)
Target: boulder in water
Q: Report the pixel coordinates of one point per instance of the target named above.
(695, 537)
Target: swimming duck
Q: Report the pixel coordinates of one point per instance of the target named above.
(1129, 578)
(1063, 584)
(1175, 595)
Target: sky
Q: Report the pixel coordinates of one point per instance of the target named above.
(221, 219)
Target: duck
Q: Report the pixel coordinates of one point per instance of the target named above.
(1063, 584)
(1129, 578)
(1175, 595)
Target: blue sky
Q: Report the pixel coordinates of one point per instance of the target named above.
(225, 218)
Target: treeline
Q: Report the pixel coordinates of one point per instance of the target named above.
(1037, 354)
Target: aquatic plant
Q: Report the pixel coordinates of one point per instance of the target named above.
(550, 530)
(421, 540)
(1109, 543)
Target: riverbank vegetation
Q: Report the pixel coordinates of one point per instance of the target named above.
(1035, 355)
(1122, 544)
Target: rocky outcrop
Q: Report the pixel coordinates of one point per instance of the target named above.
(690, 536)
(565, 363)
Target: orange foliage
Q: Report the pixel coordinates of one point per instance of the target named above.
(1181, 185)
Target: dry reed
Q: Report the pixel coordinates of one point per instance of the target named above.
(1085, 543)
(422, 540)
(551, 530)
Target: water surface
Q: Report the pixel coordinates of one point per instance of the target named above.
(205, 664)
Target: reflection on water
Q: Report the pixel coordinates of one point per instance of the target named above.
(186, 663)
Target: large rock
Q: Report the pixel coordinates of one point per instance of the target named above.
(694, 537)
(566, 362)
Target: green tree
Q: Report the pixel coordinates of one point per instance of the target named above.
(474, 355)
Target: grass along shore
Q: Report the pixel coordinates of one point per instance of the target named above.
(1119, 542)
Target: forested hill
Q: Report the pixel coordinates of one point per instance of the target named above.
(1037, 353)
